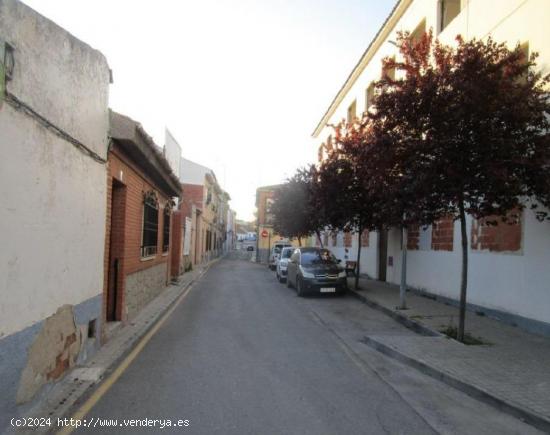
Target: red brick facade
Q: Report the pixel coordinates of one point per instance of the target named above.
(413, 237)
(176, 239)
(443, 234)
(126, 184)
(347, 239)
(365, 239)
(504, 237)
(192, 194)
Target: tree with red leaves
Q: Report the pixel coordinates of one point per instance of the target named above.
(346, 192)
(469, 126)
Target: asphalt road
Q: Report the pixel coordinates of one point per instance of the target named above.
(242, 354)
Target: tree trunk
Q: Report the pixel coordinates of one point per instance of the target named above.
(464, 278)
(319, 237)
(357, 267)
(403, 286)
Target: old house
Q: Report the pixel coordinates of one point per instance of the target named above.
(52, 173)
(141, 193)
(204, 205)
(266, 235)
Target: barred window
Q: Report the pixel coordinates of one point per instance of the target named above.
(149, 235)
(166, 230)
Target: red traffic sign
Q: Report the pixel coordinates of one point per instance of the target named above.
(265, 233)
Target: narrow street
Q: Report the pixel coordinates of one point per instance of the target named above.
(242, 354)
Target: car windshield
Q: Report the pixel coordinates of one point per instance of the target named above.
(287, 253)
(322, 256)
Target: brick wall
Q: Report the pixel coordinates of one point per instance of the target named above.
(126, 175)
(347, 239)
(177, 222)
(365, 239)
(192, 194)
(413, 237)
(504, 237)
(443, 234)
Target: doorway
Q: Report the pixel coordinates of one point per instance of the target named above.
(116, 252)
(382, 254)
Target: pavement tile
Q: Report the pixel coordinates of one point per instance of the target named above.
(515, 366)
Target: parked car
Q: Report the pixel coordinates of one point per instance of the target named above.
(315, 270)
(282, 263)
(275, 252)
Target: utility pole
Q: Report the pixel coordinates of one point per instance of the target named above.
(403, 285)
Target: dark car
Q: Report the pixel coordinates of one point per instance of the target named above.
(315, 270)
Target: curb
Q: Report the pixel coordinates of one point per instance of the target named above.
(474, 391)
(78, 399)
(409, 323)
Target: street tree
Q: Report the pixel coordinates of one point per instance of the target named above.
(295, 215)
(345, 193)
(470, 126)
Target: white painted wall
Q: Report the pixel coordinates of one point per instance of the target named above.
(192, 173)
(172, 152)
(518, 283)
(53, 195)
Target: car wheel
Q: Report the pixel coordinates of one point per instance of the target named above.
(299, 287)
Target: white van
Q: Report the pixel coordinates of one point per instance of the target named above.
(276, 252)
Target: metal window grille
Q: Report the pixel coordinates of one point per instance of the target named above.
(166, 231)
(150, 228)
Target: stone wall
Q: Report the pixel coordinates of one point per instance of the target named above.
(143, 286)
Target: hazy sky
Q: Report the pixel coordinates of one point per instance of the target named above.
(240, 84)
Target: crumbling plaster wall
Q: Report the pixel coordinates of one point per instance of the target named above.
(54, 137)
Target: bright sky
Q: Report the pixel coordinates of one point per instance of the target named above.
(240, 84)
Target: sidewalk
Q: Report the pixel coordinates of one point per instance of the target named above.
(79, 383)
(511, 372)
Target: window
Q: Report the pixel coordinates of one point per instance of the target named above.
(492, 234)
(389, 72)
(417, 33)
(321, 256)
(369, 96)
(268, 214)
(149, 234)
(92, 328)
(448, 10)
(352, 112)
(166, 229)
